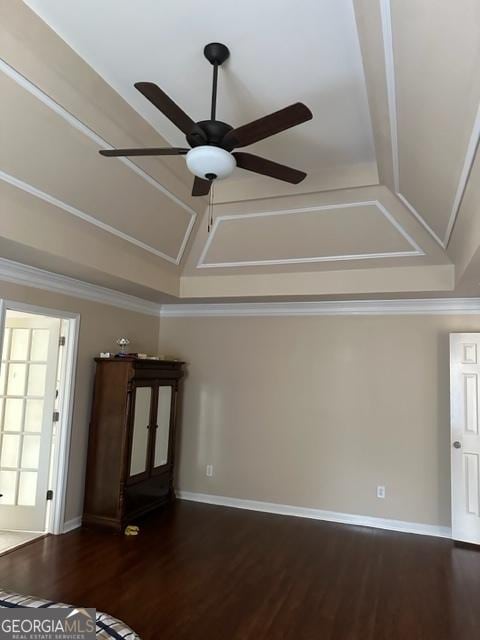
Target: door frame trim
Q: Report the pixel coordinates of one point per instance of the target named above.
(55, 519)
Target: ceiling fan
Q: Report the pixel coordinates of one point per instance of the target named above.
(212, 142)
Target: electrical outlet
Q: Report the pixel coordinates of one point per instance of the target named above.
(380, 492)
(209, 470)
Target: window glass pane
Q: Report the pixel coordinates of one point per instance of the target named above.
(30, 452)
(39, 350)
(16, 379)
(6, 342)
(19, 348)
(36, 380)
(33, 415)
(27, 488)
(13, 414)
(9, 455)
(8, 480)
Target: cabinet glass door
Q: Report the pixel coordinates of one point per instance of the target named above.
(162, 434)
(141, 422)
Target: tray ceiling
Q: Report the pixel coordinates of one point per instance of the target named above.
(393, 86)
(289, 52)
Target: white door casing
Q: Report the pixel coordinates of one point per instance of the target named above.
(27, 398)
(465, 436)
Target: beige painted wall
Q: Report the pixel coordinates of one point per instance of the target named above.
(317, 411)
(100, 326)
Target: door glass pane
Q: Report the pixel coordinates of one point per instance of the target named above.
(19, 348)
(163, 423)
(13, 414)
(6, 343)
(3, 367)
(33, 415)
(27, 488)
(30, 452)
(16, 379)
(10, 449)
(36, 379)
(39, 350)
(141, 420)
(8, 480)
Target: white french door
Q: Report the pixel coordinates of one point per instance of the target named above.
(465, 435)
(28, 382)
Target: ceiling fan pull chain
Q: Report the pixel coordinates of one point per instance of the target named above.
(210, 207)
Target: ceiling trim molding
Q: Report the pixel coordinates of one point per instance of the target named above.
(472, 147)
(386, 16)
(420, 219)
(387, 34)
(72, 120)
(433, 306)
(22, 274)
(417, 251)
(46, 197)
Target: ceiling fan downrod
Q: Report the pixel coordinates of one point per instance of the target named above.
(216, 53)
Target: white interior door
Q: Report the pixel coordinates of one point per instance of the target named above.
(465, 435)
(28, 383)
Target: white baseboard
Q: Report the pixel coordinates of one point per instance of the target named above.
(72, 524)
(319, 514)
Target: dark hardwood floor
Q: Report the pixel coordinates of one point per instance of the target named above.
(199, 572)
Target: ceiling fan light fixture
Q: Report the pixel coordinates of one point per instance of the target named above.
(208, 160)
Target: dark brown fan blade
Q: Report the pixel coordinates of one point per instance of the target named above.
(267, 126)
(166, 105)
(201, 187)
(268, 168)
(152, 151)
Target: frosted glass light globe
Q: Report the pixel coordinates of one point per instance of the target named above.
(208, 160)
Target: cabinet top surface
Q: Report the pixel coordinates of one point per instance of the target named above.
(143, 362)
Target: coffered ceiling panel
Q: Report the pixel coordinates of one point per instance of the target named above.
(310, 235)
(433, 58)
(44, 153)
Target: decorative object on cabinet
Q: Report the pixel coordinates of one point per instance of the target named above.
(131, 449)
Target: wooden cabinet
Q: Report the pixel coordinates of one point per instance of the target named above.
(131, 448)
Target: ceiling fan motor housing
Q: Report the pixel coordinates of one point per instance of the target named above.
(210, 162)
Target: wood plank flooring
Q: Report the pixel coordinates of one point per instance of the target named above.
(199, 572)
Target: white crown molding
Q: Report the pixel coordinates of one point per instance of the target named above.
(318, 514)
(386, 16)
(18, 273)
(433, 306)
(72, 120)
(416, 250)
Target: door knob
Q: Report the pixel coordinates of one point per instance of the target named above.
(457, 444)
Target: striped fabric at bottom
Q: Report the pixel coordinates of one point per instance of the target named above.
(108, 628)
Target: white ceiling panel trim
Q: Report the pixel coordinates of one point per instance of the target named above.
(416, 249)
(386, 15)
(387, 33)
(473, 144)
(29, 86)
(46, 197)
